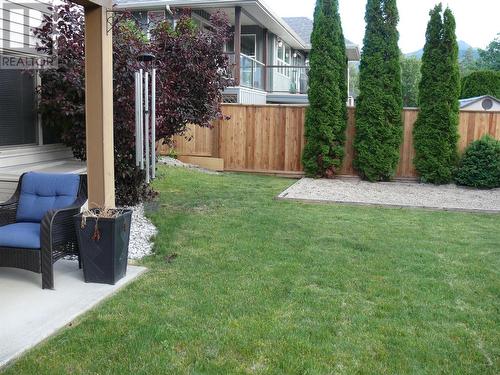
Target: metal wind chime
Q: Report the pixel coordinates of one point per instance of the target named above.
(145, 118)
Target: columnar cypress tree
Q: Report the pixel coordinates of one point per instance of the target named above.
(378, 110)
(435, 132)
(326, 117)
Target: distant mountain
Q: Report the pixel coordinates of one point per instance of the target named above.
(462, 49)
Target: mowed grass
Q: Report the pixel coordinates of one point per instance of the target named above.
(244, 284)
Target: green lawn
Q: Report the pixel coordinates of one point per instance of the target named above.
(261, 286)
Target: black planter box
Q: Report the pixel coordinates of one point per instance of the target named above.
(104, 259)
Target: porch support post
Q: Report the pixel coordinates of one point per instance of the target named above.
(265, 57)
(237, 44)
(99, 107)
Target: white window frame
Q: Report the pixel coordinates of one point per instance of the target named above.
(285, 72)
(255, 45)
(204, 23)
(299, 54)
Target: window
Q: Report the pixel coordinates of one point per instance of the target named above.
(17, 101)
(155, 17)
(283, 57)
(201, 23)
(299, 59)
(248, 45)
(229, 46)
(281, 51)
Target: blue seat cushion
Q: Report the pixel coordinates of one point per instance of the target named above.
(41, 192)
(22, 235)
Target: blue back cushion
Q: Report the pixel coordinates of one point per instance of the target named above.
(41, 192)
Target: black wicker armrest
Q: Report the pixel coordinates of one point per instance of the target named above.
(57, 239)
(8, 211)
(57, 225)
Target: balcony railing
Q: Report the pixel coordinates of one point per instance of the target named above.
(286, 79)
(289, 79)
(251, 73)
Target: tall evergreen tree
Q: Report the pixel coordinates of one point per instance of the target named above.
(410, 79)
(436, 129)
(378, 112)
(326, 117)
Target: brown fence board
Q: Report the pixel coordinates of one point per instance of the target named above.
(270, 138)
(347, 165)
(407, 153)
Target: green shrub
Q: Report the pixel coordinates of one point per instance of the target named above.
(172, 153)
(480, 164)
(482, 82)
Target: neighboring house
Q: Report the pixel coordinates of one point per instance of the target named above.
(480, 103)
(269, 54)
(303, 26)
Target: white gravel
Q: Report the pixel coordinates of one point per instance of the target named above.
(141, 233)
(400, 194)
(167, 160)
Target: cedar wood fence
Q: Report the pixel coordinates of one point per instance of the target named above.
(270, 139)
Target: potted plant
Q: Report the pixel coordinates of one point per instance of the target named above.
(103, 237)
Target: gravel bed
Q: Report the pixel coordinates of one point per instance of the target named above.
(141, 233)
(400, 194)
(171, 162)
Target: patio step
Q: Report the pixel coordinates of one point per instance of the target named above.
(6, 189)
(14, 161)
(13, 156)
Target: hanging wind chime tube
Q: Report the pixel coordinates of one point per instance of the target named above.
(153, 123)
(137, 117)
(141, 118)
(145, 122)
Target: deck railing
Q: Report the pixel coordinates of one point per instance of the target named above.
(251, 73)
(290, 79)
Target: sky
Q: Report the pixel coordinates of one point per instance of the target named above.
(478, 21)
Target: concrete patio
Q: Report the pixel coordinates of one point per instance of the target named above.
(29, 314)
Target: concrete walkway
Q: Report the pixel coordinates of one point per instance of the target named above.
(29, 314)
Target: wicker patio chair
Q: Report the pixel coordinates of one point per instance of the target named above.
(36, 223)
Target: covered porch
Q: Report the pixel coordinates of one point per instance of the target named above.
(29, 313)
